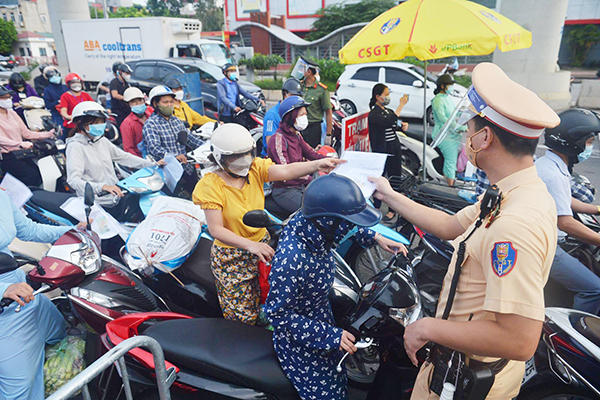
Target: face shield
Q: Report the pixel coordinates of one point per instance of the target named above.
(238, 164)
(301, 67)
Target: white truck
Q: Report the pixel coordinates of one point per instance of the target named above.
(93, 45)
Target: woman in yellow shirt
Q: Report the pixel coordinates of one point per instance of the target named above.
(182, 110)
(226, 195)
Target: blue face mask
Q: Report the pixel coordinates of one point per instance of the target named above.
(55, 79)
(584, 155)
(233, 76)
(139, 109)
(97, 130)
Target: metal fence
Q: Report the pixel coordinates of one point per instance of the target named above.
(164, 378)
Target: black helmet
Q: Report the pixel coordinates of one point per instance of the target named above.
(576, 126)
(16, 80)
(227, 66)
(445, 79)
(290, 104)
(124, 69)
(173, 83)
(42, 66)
(115, 66)
(4, 90)
(292, 86)
(339, 197)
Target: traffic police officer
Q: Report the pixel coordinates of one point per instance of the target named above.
(498, 309)
(317, 95)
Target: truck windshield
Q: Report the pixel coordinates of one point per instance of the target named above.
(216, 54)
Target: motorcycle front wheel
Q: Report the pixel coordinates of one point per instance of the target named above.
(557, 392)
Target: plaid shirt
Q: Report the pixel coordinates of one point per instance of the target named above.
(482, 182)
(161, 137)
(581, 191)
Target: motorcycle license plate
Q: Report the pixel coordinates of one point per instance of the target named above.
(530, 370)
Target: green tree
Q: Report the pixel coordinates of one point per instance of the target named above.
(261, 62)
(165, 8)
(581, 39)
(337, 15)
(210, 15)
(8, 36)
(121, 12)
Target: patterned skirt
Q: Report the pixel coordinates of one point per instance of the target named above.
(236, 278)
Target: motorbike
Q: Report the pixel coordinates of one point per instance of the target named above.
(566, 363)
(226, 359)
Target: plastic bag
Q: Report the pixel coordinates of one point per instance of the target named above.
(264, 270)
(168, 235)
(64, 360)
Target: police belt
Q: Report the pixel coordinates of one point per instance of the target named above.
(443, 354)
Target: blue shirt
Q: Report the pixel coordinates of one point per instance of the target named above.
(161, 136)
(13, 224)
(554, 172)
(270, 125)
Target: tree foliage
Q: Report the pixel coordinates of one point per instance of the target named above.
(8, 36)
(121, 12)
(210, 15)
(165, 8)
(581, 38)
(337, 15)
(261, 62)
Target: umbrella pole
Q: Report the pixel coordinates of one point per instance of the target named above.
(424, 123)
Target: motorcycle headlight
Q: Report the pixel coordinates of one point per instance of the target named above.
(95, 297)
(87, 257)
(154, 182)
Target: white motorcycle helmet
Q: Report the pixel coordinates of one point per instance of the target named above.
(233, 149)
(159, 91)
(89, 108)
(132, 93)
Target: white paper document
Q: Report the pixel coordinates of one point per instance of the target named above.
(104, 224)
(360, 166)
(18, 192)
(173, 171)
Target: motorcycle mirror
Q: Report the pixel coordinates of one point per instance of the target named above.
(258, 219)
(88, 200)
(182, 137)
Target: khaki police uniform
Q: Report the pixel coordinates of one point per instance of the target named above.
(507, 262)
(318, 97)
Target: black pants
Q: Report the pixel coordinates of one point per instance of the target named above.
(25, 170)
(290, 199)
(312, 134)
(393, 164)
(226, 119)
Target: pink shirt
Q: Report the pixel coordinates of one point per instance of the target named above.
(13, 131)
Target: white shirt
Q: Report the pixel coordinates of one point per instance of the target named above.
(555, 174)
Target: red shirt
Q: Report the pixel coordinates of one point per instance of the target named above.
(131, 132)
(68, 100)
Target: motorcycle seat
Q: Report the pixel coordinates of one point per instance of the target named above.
(226, 350)
(418, 136)
(51, 201)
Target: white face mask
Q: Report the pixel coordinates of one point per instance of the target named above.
(6, 104)
(179, 95)
(301, 123)
(76, 87)
(241, 166)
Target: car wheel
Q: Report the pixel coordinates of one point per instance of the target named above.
(348, 107)
(430, 119)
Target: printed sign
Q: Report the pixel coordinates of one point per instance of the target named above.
(355, 132)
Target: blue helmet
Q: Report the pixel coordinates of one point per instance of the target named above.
(337, 196)
(290, 104)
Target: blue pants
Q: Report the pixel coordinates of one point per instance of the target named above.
(572, 274)
(23, 337)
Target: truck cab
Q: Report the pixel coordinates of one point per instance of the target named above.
(212, 51)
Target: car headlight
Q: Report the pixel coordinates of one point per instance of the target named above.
(95, 297)
(154, 182)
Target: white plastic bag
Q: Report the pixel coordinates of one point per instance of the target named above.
(167, 236)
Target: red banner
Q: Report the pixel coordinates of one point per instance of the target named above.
(355, 132)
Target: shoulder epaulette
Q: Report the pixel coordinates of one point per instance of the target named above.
(324, 86)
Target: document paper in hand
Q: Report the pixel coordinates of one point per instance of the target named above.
(359, 166)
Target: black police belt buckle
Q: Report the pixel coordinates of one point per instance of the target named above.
(472, 379)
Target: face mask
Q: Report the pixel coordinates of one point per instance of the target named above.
(584, 155)
(471, 152)
(241, 166)
(76, 87)
(386, 101)
(301, 123)
(179, 95)
(139, 109)
(97, 130)
(6, 104)
(318, 77)
(55, 79)
(166, 111)
(449, 88)
(233, 76)
(126, 77)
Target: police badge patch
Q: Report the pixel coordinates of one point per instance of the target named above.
(504, 258)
